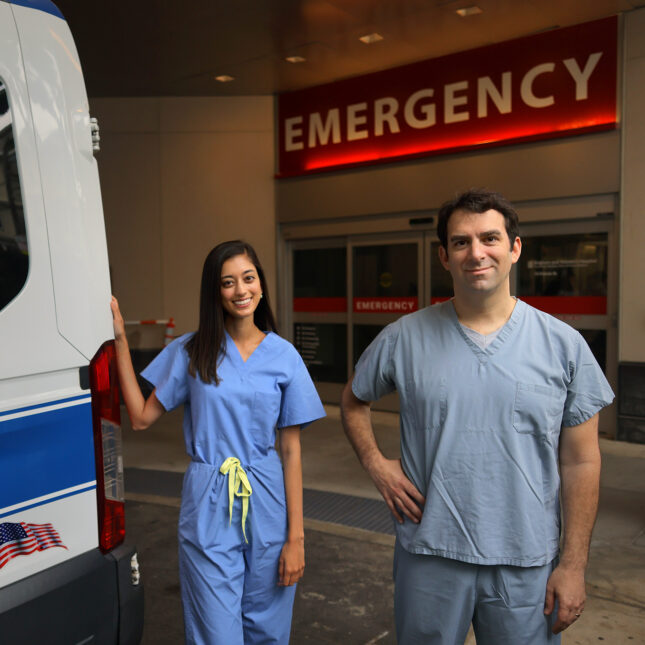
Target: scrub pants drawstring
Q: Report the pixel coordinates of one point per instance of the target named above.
(237, 480)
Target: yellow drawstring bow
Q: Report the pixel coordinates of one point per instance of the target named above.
(237, 478)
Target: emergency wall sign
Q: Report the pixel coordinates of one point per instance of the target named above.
(553, 84)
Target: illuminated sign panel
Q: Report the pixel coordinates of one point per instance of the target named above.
(386, 305)
(549, 85)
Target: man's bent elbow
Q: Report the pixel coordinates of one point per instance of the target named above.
(346, 394)
(349, 402)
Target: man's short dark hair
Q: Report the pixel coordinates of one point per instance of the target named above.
(478, 200)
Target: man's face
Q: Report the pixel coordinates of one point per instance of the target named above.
(479, 254)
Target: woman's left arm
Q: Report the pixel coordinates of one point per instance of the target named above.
(292, 558)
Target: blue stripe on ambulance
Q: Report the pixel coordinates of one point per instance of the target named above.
(46, 452)
(40, 5)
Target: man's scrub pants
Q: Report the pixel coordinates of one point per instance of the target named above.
(436, 599)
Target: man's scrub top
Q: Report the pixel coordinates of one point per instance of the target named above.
(237, 418)
(480, 428)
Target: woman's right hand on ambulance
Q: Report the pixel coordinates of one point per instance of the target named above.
(117, 320)
(142, 412)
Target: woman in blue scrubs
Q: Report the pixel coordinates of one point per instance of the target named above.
(241, 537)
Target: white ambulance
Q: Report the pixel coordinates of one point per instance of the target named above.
(66, 574)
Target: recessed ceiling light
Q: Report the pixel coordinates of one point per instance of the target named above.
(469, 11)
(368, 39)
(295, 59)
(224, 78)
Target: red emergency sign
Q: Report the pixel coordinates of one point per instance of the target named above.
(386, 305)
(548, 85)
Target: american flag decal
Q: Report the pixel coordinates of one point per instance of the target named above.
(23, 539)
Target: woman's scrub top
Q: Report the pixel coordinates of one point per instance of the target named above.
(238, 418)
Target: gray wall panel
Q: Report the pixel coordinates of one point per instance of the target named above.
(582, 165)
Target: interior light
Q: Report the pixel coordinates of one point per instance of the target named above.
(295, 59)
(368, 39)
(224, 78)
(469, 11)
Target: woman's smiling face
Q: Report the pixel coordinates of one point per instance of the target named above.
(240, 287)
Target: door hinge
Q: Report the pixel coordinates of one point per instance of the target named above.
(96, 137)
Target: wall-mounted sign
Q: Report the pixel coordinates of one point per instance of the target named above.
(553, 84)
(323, 348)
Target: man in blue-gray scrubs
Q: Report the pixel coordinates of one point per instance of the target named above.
(499, 433)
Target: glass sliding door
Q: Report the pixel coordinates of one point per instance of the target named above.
(319, 312)
(343, 292)
(387, 282)
(385, 286)
(568, 270)
(566, 275)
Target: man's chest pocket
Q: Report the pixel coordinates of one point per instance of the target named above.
(538, 409)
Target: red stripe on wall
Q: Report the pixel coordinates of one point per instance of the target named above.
(320, 305)
(581, 305)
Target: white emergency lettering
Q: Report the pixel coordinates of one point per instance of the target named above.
(581, 78)
(385, 110)
(291, 131)
(428, 110)
(322, 132)
(362, 120)
(354, 120)
(451, 101)
(487, 89)
(526, 88)
(385, 305)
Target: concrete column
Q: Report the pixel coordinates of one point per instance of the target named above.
(631, 313)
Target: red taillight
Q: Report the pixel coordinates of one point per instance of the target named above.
(106, 420)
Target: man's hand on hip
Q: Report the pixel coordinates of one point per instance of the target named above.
(399, 493)
(567, 586)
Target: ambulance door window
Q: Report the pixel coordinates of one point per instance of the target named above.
(14, 255)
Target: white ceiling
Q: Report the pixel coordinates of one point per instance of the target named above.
(172, 48)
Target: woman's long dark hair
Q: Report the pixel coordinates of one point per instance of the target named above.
(206, 348)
